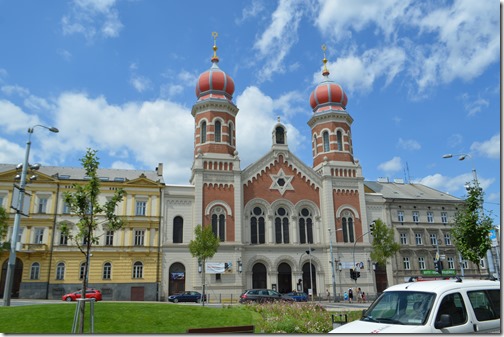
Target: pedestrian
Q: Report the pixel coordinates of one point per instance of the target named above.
(328, 294)
(350, 295)
(363, 297)
(359, 295)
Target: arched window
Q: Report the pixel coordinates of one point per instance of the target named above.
(230, 131)
(280, 135)
(340, 140)
(325, 137)
(219, 223)
(203, 133)
(305, 226)
(314, 144)
(178, 226)
(107, 270)
(60, 271)
(281, 225)
(218, 131)
(35, 271)
(347, 223)
(257, 226)
(138, 269)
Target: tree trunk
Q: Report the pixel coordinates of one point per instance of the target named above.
(203, 283)
(85, 284)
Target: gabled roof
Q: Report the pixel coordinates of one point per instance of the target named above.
(271, 158)
(77, 173)
(393, 190)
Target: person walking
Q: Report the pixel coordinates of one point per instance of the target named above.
(350, 295)
(359, 295)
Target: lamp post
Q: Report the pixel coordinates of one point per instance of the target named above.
(332, 263)
(17, 218)
(311, 277)
(463, 156)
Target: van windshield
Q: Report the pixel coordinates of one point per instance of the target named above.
(400, 307)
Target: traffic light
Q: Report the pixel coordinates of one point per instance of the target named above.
(357, 275)
(353, 274)
(226, 266)
(372, 227)
(439, 266)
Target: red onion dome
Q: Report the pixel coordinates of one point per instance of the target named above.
(215, 82)
(328, 93)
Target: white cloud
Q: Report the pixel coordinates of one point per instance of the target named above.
(465, 35)
(277, 40)
(140, 83)
(14, 90)
(122, 165)
(254, 125)
(21, 120)
(92, 17)
(489, 148)
(409, 144)
(393, 165)
(140, 131)
(253, 10)
(11, 152)
(358, 73)
(453, 185)
(455, 140)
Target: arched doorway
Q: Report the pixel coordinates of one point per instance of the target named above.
(16, 282)
(259, 276)
(284, 278)
(306, 278)
(177, 278)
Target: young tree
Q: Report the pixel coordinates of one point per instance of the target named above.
(384, 245)
(4, 217)
(204, 246)
(83, 202)
(472, 227)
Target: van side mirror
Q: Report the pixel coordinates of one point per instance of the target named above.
(444, 321)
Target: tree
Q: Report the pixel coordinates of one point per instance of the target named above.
(4, 217)
(472, 227)
(83, 202)
(204, 246)
(384, 245)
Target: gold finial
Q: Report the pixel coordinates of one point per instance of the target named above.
(325, 72)
(214, 35)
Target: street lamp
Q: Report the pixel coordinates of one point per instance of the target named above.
(332, 263)
(311, 277)
(17, 217)
(461, 157)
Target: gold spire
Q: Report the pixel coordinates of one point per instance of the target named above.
(325, 72)
(215, 58)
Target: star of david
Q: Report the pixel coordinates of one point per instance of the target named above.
(281, 182)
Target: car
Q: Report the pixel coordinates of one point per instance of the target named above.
(263, 295)
(298, 296)
(441, 306)
(90, 293)
(186, 296)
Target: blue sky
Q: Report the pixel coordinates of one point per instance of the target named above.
(422, 79)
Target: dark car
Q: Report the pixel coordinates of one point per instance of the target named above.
(263, 295)
(90, 293)
(186, 296)
(298, 296)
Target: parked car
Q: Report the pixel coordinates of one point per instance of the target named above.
(444, 306)
(90, 293)
(186, 296)
(263, 295)
(298, 296)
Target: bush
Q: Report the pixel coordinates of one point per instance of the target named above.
(282, 317)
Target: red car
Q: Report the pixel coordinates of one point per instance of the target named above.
(90, 293)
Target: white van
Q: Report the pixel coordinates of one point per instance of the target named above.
(445, 306)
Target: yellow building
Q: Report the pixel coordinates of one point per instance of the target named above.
(123, 264)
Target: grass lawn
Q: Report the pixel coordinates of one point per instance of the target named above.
(122, 318)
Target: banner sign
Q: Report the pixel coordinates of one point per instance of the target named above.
(218, 267)
(444, 272)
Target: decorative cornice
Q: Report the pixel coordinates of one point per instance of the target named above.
(214, 105)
